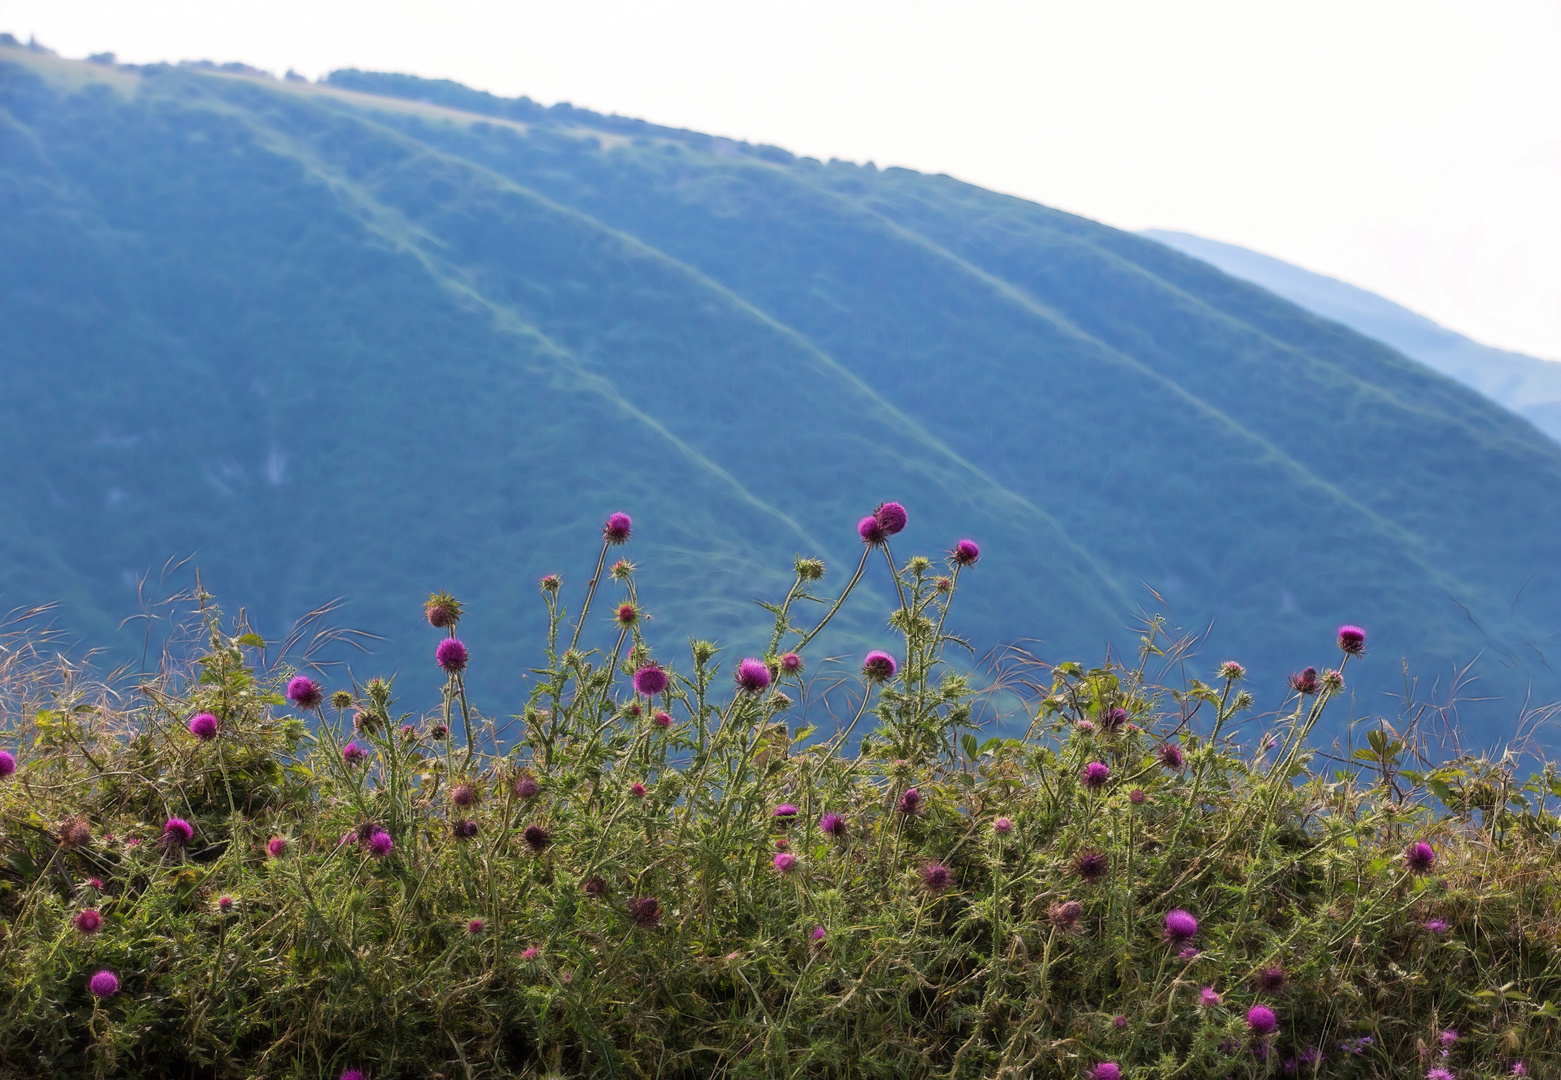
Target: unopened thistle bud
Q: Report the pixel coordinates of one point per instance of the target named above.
(1231, 671)
(341, 699)
(809, 569)
(551, 583)
(703, 651)
(626, 615)
(622, 570)
(1332, 681)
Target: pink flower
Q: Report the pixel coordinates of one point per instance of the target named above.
(1002, 826)
(1208, 998)
(784, 861)
(531, 953)
(1106, 1070)
(1262, 1020)
(1180, 926)
(752, 676)
(89, 921)
(663, 720)
(276, 847)
(637, 790)
(1095, 775)
(103, 984)
(476, 926)
(224, 904)
(203, 726)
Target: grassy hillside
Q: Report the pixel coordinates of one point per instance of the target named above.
(385, 335)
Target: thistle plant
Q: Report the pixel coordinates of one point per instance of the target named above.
(675, 869)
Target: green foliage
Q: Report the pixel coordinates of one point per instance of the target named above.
(606, 894)
(384, 336)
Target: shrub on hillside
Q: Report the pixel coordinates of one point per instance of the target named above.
(244, 871)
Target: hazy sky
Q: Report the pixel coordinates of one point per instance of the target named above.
(1413, 148)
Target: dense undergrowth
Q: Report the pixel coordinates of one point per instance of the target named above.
(698, 868)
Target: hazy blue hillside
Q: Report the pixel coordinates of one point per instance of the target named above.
(388, 335)
(1527, 385)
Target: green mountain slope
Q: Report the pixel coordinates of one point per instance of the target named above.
(388, 335)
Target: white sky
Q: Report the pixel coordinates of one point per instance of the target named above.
(1413, 148)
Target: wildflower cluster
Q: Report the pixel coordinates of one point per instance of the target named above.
(669, 872)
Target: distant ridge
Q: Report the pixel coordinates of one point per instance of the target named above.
(377, 336)
(1527, 385)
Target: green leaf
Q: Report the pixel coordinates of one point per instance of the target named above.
(968, 741)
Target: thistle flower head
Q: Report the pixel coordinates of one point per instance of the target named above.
(1112, 719)
(177, 832)
(276, 847)
(1436, 926)
(1232, 671)
(594, 886)
(1448, 1037)
(784, 861)
(103, 984)
(537, 838)
(1270, 980)
(1137, 796)
(809, 569)
(381, 845)
(225, 904)
(892, 516)
(341, 699)
(353, 754)
(935, 877)
(550, 583)
(366, 721)
(1332, 680)
(622, 570)
(439, 731)
(1065, 916)
(1003, 826)
(451, 655)
(871, 531)
(832, 824)
(663, 720)
(1419, 857)
(1180, 926)
(1440, 1073)
(463, 795)
(88, 921)
(476, 926)
(791, 663)
(910, 802)
(530, 953)
(965, 553)
(1352, 639)
(1119, 1021)
(650, 680)
(464, 828)
(617, 529)
(637, 789)
(203, 726)
(1095, 775)
(818, 934)
(1305, 681)
(1106, 1070)
(1261, 1020)
(1170, 756)
(1090, 865)
(1208, 998)
(626, 615)
(645, 911)
(753, 676)
(353, 1074)
(304, 692)
(878, 667)
(7, 764)
(526, 786)
(75, 832)
(1086, 726)
(784, 811)
(442, 610)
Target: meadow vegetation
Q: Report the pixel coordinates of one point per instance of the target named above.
(680, 863)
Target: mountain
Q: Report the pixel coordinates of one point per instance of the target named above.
(381, 335)
(1527, 385)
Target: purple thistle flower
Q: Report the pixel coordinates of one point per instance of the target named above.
(1262, 1020)
(353, 754)
(530, 953)
(225, 904)
(88, 921)
(353, 1074)
(1269, 980)
(1095, 775)
(871, 530)
(1448, 1037)
(1170, 756)
(451, 655)
(637, 789)
(203, 726)
(1436, 926)
(7, 764)
(177, 832)
(381, 845)
(645, 911)
(1518, 1069)
(1440, 1073)
(1091, 866)
(935, 877)
(526, 786)
(1136, 796)
(1189, 953)
(1352, 639)
(463, 795)
(276, 847)
(818, 934)
(1112, 719)
(1232, 671)
(663, 720)
(1003, 826)
(304, 692)
(650, 680)
(832, 824)
(892, 516)
(784, 810)
(1107, 1070)
(784, 861)
(103, 984)
(791, 663)
(910, 802)
(1208, 998)
(442, 611)
(537, 838)
(1180, 926)
(1419, 857)
(627, 615)
(617, 528)
(476, 926)
(1305, 682)
(879, 666)
(752, 676)
(965, 553)
(594, 886)
(464, 829)
(1119, 1021)
(1065, 916)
